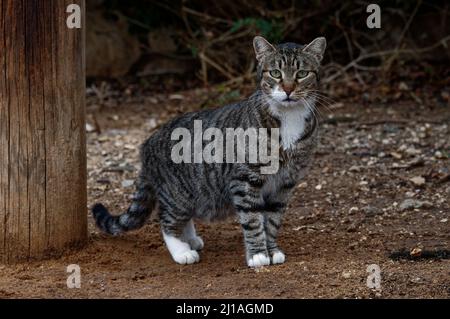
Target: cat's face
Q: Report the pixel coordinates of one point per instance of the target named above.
(288, 72)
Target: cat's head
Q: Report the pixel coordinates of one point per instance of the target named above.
(288, 73)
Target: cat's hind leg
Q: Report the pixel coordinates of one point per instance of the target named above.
(173, 226)
(180, 251)
(190, 236)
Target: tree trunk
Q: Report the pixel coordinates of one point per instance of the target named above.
(42, 130)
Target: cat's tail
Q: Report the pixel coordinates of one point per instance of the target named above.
(134, 218)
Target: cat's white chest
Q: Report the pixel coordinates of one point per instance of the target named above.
(292, 126)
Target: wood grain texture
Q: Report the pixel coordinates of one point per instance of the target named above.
(42, 130)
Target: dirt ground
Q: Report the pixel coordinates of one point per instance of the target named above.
(378, 190)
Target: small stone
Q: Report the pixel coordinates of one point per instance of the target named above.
(418, 180)
(153, 100)
(318, 187)
(438, 154)
(127, 183)
(354, 168)
(176, 97)
(444, 220)
(89, 128)
(103, 138)
(396, 155)
(346, 274)
(416, 252)
(370, 210)
(403, 86)
(412, 151)
(152, 123)
(410, 194)
(409, 204)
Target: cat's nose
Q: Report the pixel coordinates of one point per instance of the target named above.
(288, 89)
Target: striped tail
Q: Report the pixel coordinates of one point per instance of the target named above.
(135, 217)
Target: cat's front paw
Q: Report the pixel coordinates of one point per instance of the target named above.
(278, 257)
(187, 258)
(196, 243)
(258, 260)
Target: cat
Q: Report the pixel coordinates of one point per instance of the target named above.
(287, 76)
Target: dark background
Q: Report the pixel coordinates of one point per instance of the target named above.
(176, 45)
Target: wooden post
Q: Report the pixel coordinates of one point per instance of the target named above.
(42, 130)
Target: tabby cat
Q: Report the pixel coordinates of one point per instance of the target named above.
(285, 99)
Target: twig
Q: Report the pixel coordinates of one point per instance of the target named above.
(219, 68)
(363, 57)
(206, 16)
(402, 36)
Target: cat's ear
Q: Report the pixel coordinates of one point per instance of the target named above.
(316, 47)
(262, 47)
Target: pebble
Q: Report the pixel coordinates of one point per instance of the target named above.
(176, 97)
(370, 210)
(412, 151)
(418, 180)
(127, 183)
(410, 194)
(346, 274)
(396, 155)
(89, 128)
(409, 204)
(438, 154)
(416, 252)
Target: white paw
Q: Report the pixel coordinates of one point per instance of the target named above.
(196, 243)
(258, 260)
(278, 257)
(187, 258)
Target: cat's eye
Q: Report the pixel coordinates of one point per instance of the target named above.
(302, 74)
(275, 74)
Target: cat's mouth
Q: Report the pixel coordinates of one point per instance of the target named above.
(290, 102)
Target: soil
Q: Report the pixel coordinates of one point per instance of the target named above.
(378, 193)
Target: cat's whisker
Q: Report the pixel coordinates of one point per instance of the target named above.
(323, 97)
(316, 109)
(322, 102)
